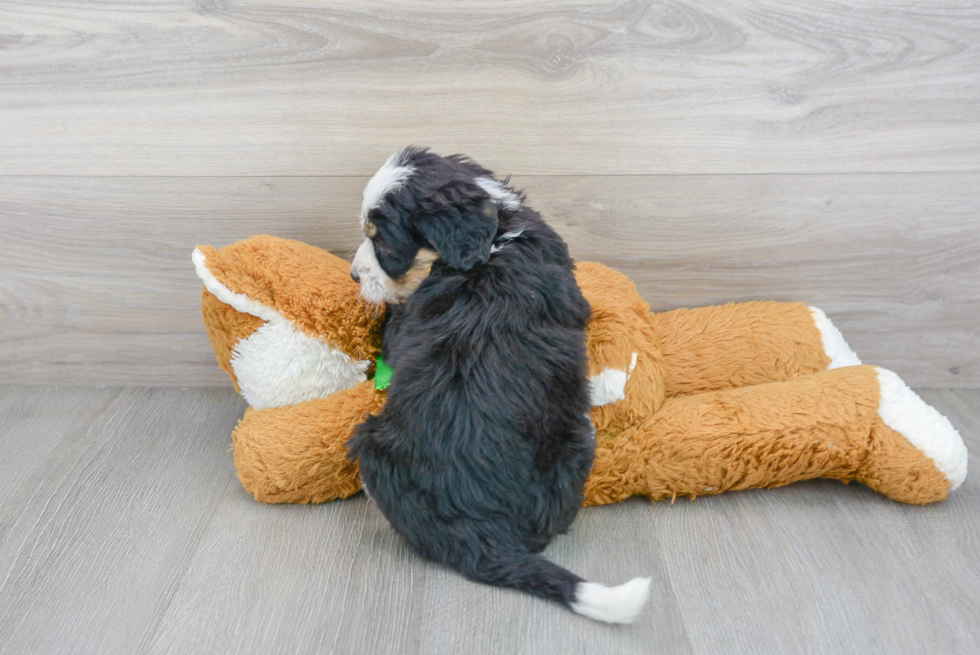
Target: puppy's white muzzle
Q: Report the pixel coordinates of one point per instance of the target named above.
(370, 275)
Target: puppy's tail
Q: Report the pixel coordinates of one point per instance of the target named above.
(536, 575)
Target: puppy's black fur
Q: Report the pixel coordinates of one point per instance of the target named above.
(480, 455)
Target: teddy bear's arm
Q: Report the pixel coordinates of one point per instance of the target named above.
(855, 423)
(297, 453)
(742, 344)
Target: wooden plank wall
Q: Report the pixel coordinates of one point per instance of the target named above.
(714, 151)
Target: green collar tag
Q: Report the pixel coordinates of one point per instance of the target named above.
(382, 373)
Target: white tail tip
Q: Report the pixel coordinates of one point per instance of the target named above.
(611, 604)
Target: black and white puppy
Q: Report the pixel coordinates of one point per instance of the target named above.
(480, 455)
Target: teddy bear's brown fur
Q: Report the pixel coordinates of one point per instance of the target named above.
(688, 402)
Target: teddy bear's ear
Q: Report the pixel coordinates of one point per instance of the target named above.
(285, 319)
(226, 326)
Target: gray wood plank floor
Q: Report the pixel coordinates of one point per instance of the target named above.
(123, 529)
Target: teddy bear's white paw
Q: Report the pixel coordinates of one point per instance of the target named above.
(925, 428)
(833, 342)
(610, 385)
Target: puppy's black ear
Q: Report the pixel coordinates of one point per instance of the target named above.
(459, 221)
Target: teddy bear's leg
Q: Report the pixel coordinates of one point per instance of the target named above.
(855, 423)
(297, 454)
(917, 455)
(743, 344)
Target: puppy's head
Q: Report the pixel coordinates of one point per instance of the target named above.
(419, 208)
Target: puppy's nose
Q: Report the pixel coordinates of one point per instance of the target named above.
(354, 276)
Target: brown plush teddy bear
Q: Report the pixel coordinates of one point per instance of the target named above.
(686, 403)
